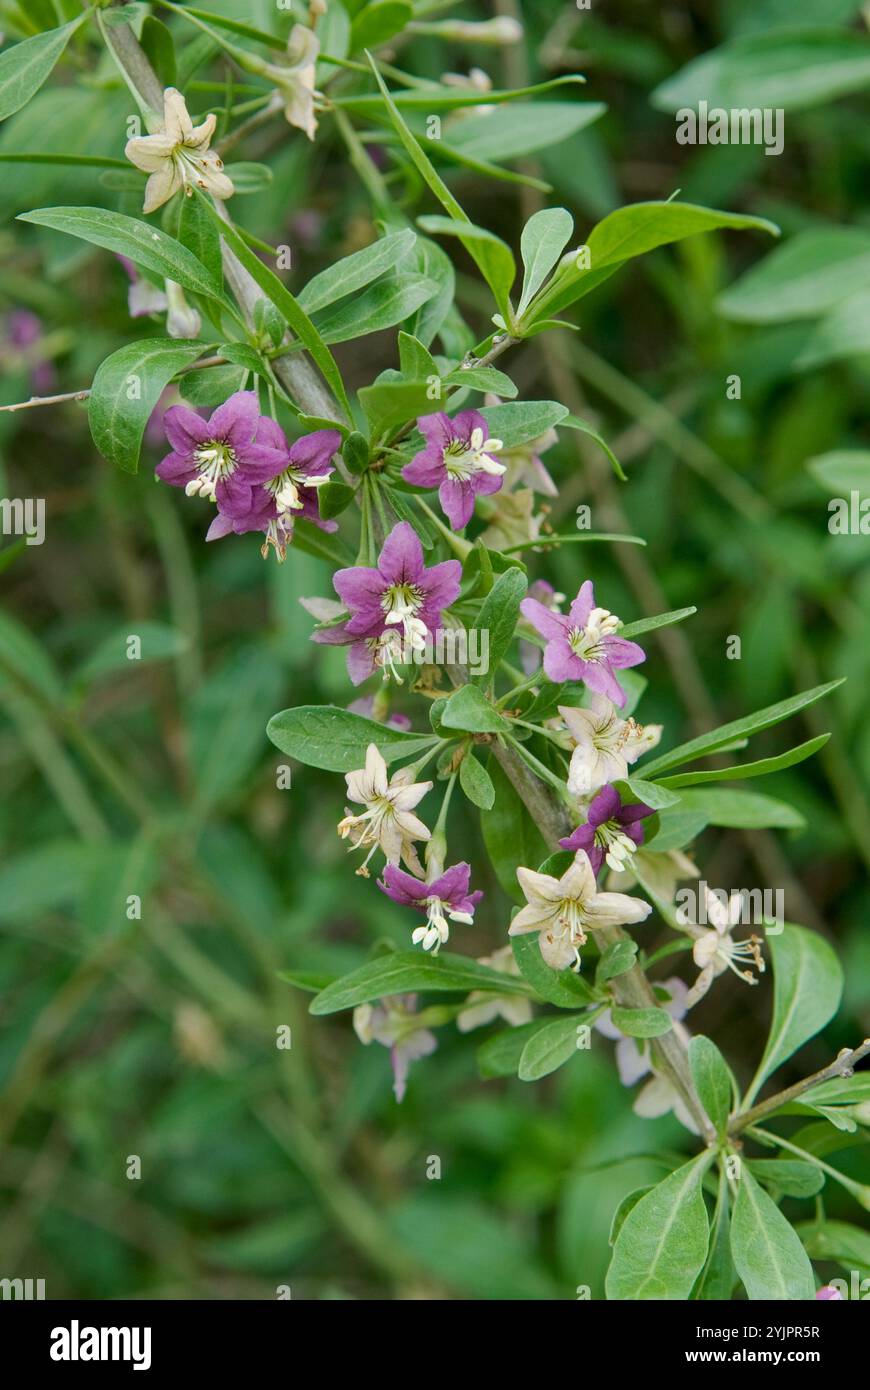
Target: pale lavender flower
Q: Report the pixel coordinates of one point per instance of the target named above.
(393, 1024)
(582, 645)
(458, 461)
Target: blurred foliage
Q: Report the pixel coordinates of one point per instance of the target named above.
(156, 1037)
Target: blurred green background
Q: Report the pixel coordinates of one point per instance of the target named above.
(156, 1037)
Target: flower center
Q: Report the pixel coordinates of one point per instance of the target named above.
(400, 604)
(285, 488)
(589, 642)
(214, 460)
(463, 459)
(194, 168)
(571, 919)
(618, 847)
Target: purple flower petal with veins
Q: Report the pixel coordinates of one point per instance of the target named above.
(458, 460)
(219, 458)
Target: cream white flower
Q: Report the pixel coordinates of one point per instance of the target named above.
(295, 79)
(716, 951)
(562, 910)
(387, 822)
(481, 1008)
(661, 873)
(605, 744)
(178, 156)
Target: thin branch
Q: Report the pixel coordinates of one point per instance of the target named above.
(845, 1063)
(216, 361)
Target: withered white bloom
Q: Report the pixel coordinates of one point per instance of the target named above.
(388, 822)
(295, 79)
(178, 156)
(605, 744)
(182, 320)
(661, 873)
(562, 910)
(481, 1008)
(716, 951)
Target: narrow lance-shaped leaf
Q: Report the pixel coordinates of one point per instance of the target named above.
(544, 238)
(496, 622)
(401, 972)
(712, 1079)
(355, 271)
(807, 985)
(662, 1245)
(766, 1248)
(26, 65)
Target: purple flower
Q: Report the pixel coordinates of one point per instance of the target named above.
(287, 494)
(446, 896)
(458, 461)
(582, 645)
(392, 1023)
(612, 830)
(220, 458)
(828, 1294)
(24, 334)
(399, 599)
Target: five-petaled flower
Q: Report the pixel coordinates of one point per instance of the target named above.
(612, 831)
(178, 156)
(458, 461)
(582, 645)
(562, 910)
(388, 822)
(222, 458)
(716, 951)
(393, 1023)
(443, 897)
(399, 601)
(605, 744)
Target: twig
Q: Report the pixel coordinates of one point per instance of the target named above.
(845, 1063)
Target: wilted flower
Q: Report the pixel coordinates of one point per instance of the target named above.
(220, 458)
(562, 910)
(583, 645)
(512, 520)
(387, 822)
(143, 298)
(182, 320)
(457, 460)
(828, 1294)
(401, 599)
(661, 873)
(393, 1024)
(443, 897)
(633, 1059)
(716, 951)
(482, 1007)
(606, 744)
(295, 78)
(178, 156)
(612, 830)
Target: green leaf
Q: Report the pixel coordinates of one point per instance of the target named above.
(299, 322)
(553, 1043)
(516, 422)
(388, 404)
(336, 739)
(642, 1023)
(712, 1078)
(717, 1278)
(766, 1249)
(509, 833)
(676, 828)
(650, 793)
(739, 809)
(382, 305)
(847, 1245)
(402, 972)
(629, 232)
(498, 619)
(415, 360)
(493, 257)
(812, 272)
(662, 1245)
(677, 615)
(312, 981)
(842, 471)
(522, 129)
(807, 985)
(26, 65)
(156, 41)
(793, 70)
(199, 234)
(212, 385)
(476, 782)
(617, 960)
(469, 710)
(378, 22)
(435, 98)
(482, 379)
(629, 1201)
(354, 272)
(563, 988)
(757, 769)
(126, 389)
(147, 246)
(843, 332)
(788, 1176)
(544, 238)
(500, 1055)
(249, 178)
(574, 422)
(739, 728)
